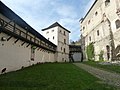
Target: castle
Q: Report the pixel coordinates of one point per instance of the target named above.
(101, 27)
(22, 46)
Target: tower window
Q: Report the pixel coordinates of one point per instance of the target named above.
(52, 30)
(47, 32)
(53, 37)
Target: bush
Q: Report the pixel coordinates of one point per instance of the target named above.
(90, 51)
(101, 55)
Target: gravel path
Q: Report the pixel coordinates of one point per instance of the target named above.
(107, 77)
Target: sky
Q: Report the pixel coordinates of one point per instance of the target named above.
(40, 14)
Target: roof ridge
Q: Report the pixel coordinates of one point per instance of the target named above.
(54, 25)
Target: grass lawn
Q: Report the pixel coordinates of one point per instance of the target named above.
(111, 68)
(51, 77)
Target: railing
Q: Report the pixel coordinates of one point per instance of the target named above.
(75, 48)
(13, 29)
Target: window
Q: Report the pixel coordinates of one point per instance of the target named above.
(60, 31)
(64, 41)
(33, 53)
(53, 37)
(64, 50)
(90, 38)
(98, 32)
(61, 48)
(89, 22)
(108, 52)
(52, 30)
(117, 22)
(96, 13)
(47, 32)
(83, 28)
(64, 32)
(107, 2)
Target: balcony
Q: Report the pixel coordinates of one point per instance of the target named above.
(12, 30)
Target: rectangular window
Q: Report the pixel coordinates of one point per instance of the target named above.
(64, 41)
(64, 33)
(53, 37)
(61, 48)
(90, 38)
(98, 32)
(64, 50)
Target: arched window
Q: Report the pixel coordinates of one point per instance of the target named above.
(108, 51)
(117, 22)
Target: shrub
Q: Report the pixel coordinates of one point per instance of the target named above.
(90, 51)
(101, 55)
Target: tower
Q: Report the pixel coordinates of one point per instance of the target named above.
(58, 35)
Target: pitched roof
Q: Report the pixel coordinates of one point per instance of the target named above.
(89, 11)
(7, 12)
(54, 25)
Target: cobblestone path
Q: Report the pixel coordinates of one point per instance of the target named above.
(105, 76)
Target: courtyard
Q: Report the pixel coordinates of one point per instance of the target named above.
(56, 76)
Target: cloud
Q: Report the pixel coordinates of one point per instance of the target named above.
(88, 6)
(73, 26)
(66, 11)
(42, 13)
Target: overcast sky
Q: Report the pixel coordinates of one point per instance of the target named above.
(41, 13)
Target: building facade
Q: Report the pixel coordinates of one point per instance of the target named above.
(22, 46)
(101, 26)
(58, 35)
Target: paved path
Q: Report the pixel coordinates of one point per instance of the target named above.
(107, 77)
